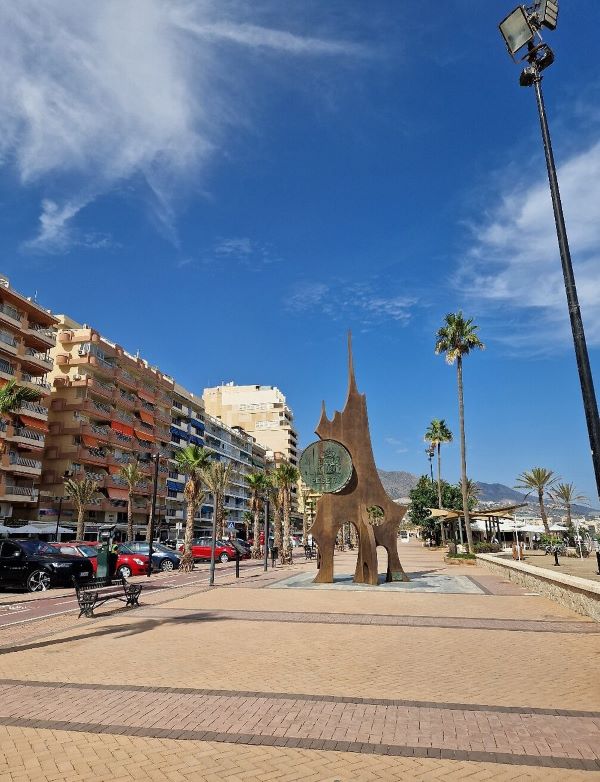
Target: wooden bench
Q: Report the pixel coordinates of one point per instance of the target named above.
(96, 591)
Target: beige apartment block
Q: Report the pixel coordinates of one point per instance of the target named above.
(26, 336)
(108, 409)
(262, 411)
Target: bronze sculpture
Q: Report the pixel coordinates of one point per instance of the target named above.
(362, 501)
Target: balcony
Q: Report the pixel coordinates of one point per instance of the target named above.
(34, 410)
(37, 359)
(127, 379)
(99, 387)
(126, 399)
(99, 364)
(10, 315)
(8, 342)
(19, 493)
(7, 370)
(37, 384)
(41, 334)
(20, 465)
(28, 437)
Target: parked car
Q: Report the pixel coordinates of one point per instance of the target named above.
(35, 566)
(163, 558)
(243, 547)
(127, 565)
(201, 549)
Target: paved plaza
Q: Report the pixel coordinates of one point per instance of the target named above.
(268, 678)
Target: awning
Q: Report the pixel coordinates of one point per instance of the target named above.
(34, 423)
(141, 435)
(147, 418)
(117, 494)
(146, 396)
(91, 442)
(122, 428)
(113, 469)
(175, 486)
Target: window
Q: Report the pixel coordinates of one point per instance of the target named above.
(10, 549)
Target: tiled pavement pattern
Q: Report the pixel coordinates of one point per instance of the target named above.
(471, 689)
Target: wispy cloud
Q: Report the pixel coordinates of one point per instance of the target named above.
(514, 260)
(398, 445)
(362, 302)
(94, 94)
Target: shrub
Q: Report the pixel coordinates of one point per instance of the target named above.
(461, 556)
(487, 548)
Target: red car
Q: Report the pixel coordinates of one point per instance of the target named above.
(201, 550)
(127, 564)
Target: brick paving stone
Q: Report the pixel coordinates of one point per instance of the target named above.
(286, 701)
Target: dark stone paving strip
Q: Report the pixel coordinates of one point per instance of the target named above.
(385, 620)
(439, 753)
(474, 707)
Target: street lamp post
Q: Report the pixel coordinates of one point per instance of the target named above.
(60, 502)
(156, 458)
(519, 29)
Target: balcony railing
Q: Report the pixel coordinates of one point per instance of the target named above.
(35, 381)
(103, 431)
(43, 357)
(24, 491)
(35, 464)
(34, 408)
(12, 312)
(44, 331)
(125, 417)
(29, 434)
(127, 396)
(6, 367)
(8, 339)
(102, 408)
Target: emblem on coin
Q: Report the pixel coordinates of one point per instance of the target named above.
(326, 466)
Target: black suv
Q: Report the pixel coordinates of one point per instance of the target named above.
(35, 566)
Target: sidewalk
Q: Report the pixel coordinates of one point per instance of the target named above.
(252, 681)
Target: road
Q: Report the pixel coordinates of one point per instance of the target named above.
(18, 607)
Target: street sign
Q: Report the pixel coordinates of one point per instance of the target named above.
(231, 525)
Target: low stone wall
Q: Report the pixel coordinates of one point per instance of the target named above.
(578, 594)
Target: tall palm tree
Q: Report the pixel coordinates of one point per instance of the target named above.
(565, 494)
(538, 479)
(257, 485)
(436, 434)
(217, 478)
(275, 500)
(132, 475)
(286, 476)
(191, 462)
(12, 397)
(81, 491)
(248, 523)
(457, 338)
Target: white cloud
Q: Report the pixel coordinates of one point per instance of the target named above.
(93, 94)
(361, 302)
(514, 258)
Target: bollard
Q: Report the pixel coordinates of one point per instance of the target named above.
(274, 555)
(556, 562)
(237, 563)
(598, 561)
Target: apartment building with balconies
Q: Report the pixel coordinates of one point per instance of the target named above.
(191, 425)
(262, 412)
(27, 333)
(108, 408)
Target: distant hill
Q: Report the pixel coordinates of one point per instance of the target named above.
(399, 483)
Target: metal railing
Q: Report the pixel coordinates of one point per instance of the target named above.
(24, 491)
(22, 462)
(40, 356)
(12, 312)
(8, 339)
(6, 367)
(44, 331)
(34, 408)
(29, 434)
(102, 407)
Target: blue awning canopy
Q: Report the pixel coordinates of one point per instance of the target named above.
(180, 433)
(198, 424)
(175, 486)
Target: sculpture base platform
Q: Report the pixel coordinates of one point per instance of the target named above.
(446, 585)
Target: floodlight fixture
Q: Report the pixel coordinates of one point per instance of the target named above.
(546, 12)
(517, 30)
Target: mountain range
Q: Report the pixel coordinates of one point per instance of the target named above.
(398, 483)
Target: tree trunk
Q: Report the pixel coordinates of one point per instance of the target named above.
(276, 527)
(463, 455)
(286, 550)
(304, 528)
(439, 484)
(129, 519)
(543, 511)
(149, 527)
(187, 561)
(80, 525)
(256, 544)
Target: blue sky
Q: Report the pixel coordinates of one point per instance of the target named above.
(229, 186)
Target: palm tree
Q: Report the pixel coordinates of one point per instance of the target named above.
(81, 492)
(275, 499)
(436, 434)
(217, 477)
(257, 485)
(457, 338)
(12, 398)
(286, 476)
(248, 523)
(192, 461)
(538, 479)
(132, 475)
(565, 494)
(305, 494)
